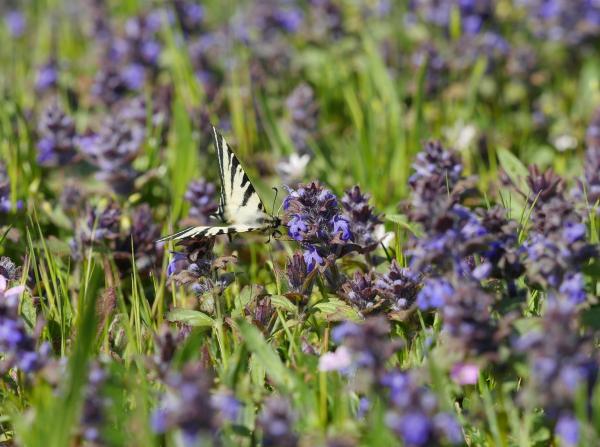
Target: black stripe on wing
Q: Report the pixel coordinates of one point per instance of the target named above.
(219, 141)
(227, 158)
(203, 231)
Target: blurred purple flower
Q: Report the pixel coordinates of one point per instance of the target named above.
(15, 22)
(201, 196)
(17, 345)
(47, 76)
(303, 115)
(414, 415)
(562, 359)
(567, 430)
(434, 294)
(6, 206)
(187, 405)
(57, 137)
(276, 421)
(112, 150)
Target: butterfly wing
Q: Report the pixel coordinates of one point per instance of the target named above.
(240, 207)
(240, 203)
(206, 231)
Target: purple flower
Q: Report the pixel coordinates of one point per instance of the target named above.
(133, 76)
(399, 286)
(414, 428)
(573, 287)
(303, 115)
(276, 421)
(448, 425)
(113, 151)
(341, 226)
(47, 76)
(58, 137)
(312, 258)
(201, 196)
(435, 292)
(360, 291)
(361, 217)
(367, 344)
(567, 429)
(573, 232)
(413, 414)
(15, 22)
(290, 20)
(562, 358)
(187, 405)
(6, 205)
(227, 405)
(296, 227)
(17, 345)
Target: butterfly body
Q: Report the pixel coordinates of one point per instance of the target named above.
(240, 208)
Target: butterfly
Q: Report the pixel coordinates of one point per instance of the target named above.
(240, 208)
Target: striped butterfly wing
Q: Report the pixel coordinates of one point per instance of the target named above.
(240, 203)
(240, 207)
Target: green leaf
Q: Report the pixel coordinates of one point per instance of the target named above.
(591, 317)
(335, 309)
(281, 302)
(191, 317)
(514, 168)
(403, 222)
(266, 356)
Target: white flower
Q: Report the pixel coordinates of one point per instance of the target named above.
(293, 168)
(565, 142)
(386, 238)
(461, 135)
(335, 361)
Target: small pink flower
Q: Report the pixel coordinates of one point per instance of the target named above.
(465, 373)
(335, 361)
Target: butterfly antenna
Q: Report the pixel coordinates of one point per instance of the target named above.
(274, 199)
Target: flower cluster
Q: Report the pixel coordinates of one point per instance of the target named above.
(187, 405)
(130, 59)
(95, 405)
(572, 22)
(563, 361)
(17, 345)
(112, 150)
(313, 218)
(104, 227)
(362, 217)
(57, 137)
(364, 349)
(100, 226)
(557, 248)
(201, 196)
(276, 421)
(415, 416)
(398, 287)
(468, 324)
(474, 14)
(393, 291)
(303, 113)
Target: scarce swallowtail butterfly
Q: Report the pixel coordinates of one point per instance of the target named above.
(240, 207)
